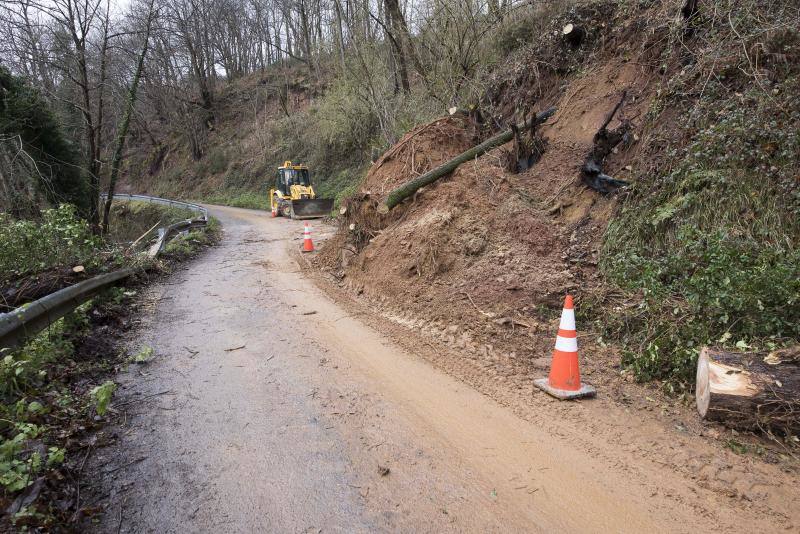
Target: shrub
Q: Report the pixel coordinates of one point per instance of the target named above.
(340, 185)
(56, 171)
(59, 239)
(217, 161)
(516, 31)
(711, 243)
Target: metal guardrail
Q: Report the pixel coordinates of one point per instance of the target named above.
(18, 325)
(30, 319)
(165, 234)
(158, 200)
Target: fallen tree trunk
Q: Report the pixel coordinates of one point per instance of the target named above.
(747, 391)
(37, 286)
(409, 188)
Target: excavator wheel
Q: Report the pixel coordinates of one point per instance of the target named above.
(286, 210)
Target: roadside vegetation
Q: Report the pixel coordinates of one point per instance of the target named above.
(132, 220)
(57, 240)
(707, 239)
(57, 389)
(53, 394)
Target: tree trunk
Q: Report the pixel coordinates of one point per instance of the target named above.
(400, 30)
(573, 34)
(409, 188)
(92, 148)
(749, 391)
(397, 53)
(101, 85)
(122, 133)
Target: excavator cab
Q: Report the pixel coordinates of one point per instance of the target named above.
(293, 196)
(288, 176)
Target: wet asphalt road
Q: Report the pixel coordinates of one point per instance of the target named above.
(237, 425)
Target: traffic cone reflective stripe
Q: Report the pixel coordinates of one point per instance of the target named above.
(308, 245)
(274, 210)
(564, 381)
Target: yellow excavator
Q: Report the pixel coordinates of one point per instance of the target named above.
(293, 195)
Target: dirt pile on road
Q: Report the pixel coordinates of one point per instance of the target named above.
(484, 257)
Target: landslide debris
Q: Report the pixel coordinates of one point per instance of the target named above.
(486, 250)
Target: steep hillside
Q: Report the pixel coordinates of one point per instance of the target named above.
(700, 248)
(260, 121)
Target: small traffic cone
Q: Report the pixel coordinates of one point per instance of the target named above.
(308, 245)
(564, 381)
(274, 209)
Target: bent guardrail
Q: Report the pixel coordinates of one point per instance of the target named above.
(28, 320)
(165, 234)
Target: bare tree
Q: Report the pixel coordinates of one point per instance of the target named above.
(122, 130)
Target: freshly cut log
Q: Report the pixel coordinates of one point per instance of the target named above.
(749, 391)
(399, 194)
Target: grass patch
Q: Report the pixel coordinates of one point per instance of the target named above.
(240, 199)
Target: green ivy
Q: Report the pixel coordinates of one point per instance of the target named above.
(709, 246)
(102, 396)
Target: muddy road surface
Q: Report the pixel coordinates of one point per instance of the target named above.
(271, 407)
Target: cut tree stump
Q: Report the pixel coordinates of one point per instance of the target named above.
(574, 34)
(749, 391)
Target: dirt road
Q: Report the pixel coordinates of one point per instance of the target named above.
(270, 407)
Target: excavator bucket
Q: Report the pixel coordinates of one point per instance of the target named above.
(311, 208)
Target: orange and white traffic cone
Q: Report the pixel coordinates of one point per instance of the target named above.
(274, 209)
(564, 381)
(308, 245)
